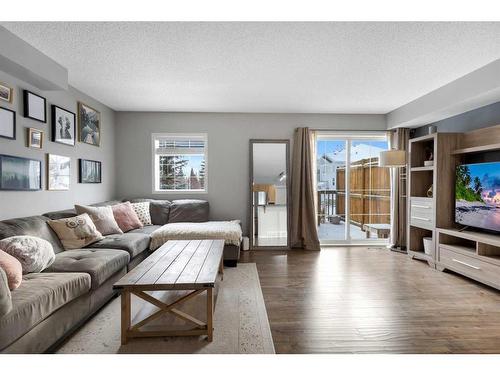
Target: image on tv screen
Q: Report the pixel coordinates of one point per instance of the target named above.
(477, 195)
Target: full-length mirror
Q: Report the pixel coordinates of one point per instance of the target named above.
(269, 193)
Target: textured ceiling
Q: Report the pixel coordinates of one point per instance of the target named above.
(263, 67)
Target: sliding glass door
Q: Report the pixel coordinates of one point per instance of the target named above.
(353, 192)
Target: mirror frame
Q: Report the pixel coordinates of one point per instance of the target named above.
(286, 142)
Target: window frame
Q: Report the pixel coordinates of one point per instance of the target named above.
(155, 170)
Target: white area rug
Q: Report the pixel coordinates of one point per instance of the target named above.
(240, 323)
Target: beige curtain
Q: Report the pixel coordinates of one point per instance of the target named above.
(304, 232)
(398, 140)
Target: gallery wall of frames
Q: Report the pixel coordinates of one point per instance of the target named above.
(53, 145)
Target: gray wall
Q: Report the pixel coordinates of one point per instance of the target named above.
(16, 203)
(482, 117)
(228, 150)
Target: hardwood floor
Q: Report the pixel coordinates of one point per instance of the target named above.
(367, 300)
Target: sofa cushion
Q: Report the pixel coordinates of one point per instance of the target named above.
(188, 210)
(102, 217)
(39, 295)
(146, 230)
(5, 296)
(64, 214)
(100, 264)
(12, 268)
(31, 226)
(76, 232)
(132, 243)
(158, 209)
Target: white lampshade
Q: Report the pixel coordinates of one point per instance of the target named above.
(392, 158)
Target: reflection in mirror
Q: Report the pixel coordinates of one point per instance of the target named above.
(269, 198)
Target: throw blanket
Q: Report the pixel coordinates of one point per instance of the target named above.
(229, 231)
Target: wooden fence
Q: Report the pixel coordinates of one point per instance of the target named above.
(369, 185)
(369, 195)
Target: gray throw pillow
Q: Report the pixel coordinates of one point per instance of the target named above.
(158, 209)
(5, 296)
(188, 210)
(102, 217)
(34, 253)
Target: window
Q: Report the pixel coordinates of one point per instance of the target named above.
(180, 162)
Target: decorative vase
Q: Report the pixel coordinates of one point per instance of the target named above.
(429, 192)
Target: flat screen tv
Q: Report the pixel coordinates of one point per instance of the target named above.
(477, 195)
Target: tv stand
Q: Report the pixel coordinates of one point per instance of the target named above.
(472, 254)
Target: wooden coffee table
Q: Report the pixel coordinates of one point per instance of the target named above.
(177, 265)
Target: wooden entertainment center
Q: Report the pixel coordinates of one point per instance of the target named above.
(474, 254)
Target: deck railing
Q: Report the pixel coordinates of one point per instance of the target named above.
(327, 205)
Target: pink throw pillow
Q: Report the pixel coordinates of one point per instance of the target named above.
(126, 217)
(12, 268)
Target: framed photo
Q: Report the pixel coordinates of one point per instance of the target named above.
(90, 172)
(7, 123)
(20, 173)
(35, 138)
(6, 93)
(35, 106)
(63, 126)
(89, 122)
(58, 172)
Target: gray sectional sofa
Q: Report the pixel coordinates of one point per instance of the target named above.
(50, 305)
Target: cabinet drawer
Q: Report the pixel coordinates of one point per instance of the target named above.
(422, 212)
(472, 267)
(422, 220)
(422, 204)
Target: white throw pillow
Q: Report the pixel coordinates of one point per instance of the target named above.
(34, 253)
(142, 211)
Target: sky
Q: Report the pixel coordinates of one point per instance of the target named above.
(194, 162)
(488, 173)
(328, 146)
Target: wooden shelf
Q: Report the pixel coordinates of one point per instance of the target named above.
(424, 138)
(490, 239)
(466, 250)
(471, 150)
(487, 245)
(422, 169)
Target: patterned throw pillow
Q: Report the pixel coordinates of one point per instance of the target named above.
(102, 217)
(142, 211)
(76, 232)
(34, 253)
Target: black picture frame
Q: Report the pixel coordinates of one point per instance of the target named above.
(54, 138)
(10, 186)
(82, 164)
(89, 125)
(13, 124)
(27, 109)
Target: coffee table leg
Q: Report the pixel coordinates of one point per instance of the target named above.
(210, 314)
(125, 297)
(221, 269)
